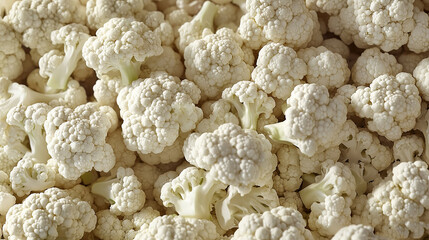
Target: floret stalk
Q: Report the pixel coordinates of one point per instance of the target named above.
(316, 192)
(38, 144)
(247, 113)
(103, 188)
(130, 71)
(73, 53)
(206, 15)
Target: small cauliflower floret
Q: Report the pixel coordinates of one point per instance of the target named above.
(11, 53)
(77, 138)
(313, 120)
(234, 206)
(421, 73)
(216, 62)
(326, 6)
(122, 44)
(250, 102)
(7, 199)
(313, 164)
(287, 22)
(192, 193)
(73, 37)
(275, 224)
(106, 90)
(170, 154)
(156, 109)
(14, 94)
(397, 207)
(336, 179)
(169, 61)
(52, 214)
(122, 191)
(177, 17)
(160, 181)
(331, 215)
(362, 146)
(278, 70)
(408, 148)
(217, 113)
(110, 227)
(292, 200)
(418, 41)
(354, 232)
(335, 45)
(100, 11)
(373, 63)
(124, 157)
(36, 19)
(237, 157)
(287, 177)
(173, 227)
(48, 62)
(147, 175)
(325, 67)
(200, 25)
(390, 104)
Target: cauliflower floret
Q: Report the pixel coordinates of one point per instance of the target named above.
(123, 192)
(147, 175)
(354, 232)
(36, 19)
(335, 45)
(156, 109)
(124, 157)
(408, 148)
(106, 90)
(313, 120)
(278, 70)
(326, 6)
(11, 53)
(77, 138)
(216, 114)
(122, 44)
(391, 104)
(7, 199)
(169, 61)
(325, 67)
(287, 22)
(278, 223)
(418, 41)
(170, 154)
(421, 73)
(215, 62)
(237, 157)
(373, 63)
(288, 174)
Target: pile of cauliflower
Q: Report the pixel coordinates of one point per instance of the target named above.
(214, 120)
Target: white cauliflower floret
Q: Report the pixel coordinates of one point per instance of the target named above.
(278, 223)
(418, 41)
(250, 102)
(122, 44)
(170, 154)
(106, 90)
(147, 175)
(36, 19)
(217, 113)
(77, 138)
(421, 73)
(7, 199)
(110, 227)
(408, 149)
(124, 157)
(325, 67)
(123, 192)
(313, 164)
(11, 53)
(215, 62)
(156, 109)
(335, 45)
(278, 70)
(237, 157)
(288, 174)
(355, 232)
(169, 61)
(200, 25)
(287, 22)
(326, 6)
(373, 63)
(173, 227)
(49, 61)
(52, 214)
(391, 104)
(98, 12)
(313, 120)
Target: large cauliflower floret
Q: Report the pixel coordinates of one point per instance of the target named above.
(52, 214)
(238, 157)
(36, 19)
(100, 11)
(391, 104)
(123, 191)
(355, 232)
(313, 120)
(373, 63)
(122, 44)
(421, 73)
(156, 109)
(325, 67)
(173, 227)
(77, 138)
(278, 223)
(215, 62)
(11, 53)
(287, 22)
(250, 102)
(278, 70)
(418, 41)
(397, 208)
